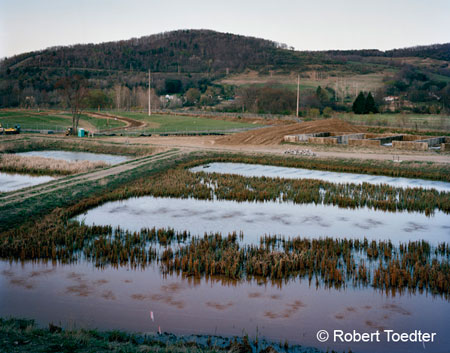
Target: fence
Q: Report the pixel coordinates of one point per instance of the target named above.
(164, 131)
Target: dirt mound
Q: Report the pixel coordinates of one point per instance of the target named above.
(274, 135)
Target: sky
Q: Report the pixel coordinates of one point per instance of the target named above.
(27, 25)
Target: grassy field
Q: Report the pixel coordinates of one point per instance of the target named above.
(406, 121)
(34, 120)
(99, 124)
(52, 120)
(172, 123)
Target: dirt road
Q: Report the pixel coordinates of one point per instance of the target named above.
(212, 143)
(130, 123)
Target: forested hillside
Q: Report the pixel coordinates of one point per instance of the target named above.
(185, 59)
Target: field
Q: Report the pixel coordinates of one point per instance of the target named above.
(53, 120)
(157, 123)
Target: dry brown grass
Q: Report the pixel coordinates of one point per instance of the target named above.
(47, 166)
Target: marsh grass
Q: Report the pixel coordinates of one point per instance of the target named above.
(45, 166)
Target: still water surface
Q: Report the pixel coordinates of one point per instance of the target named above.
(77, 156)
(258, 170)
(14, 181)
(256, 219)
(83, 296)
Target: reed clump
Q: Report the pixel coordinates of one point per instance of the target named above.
(45, 166)
(331, 261)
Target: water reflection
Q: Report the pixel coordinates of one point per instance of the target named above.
(81, 295)
(14, 181)
(77, 156)
(257, 170)
(256, 219)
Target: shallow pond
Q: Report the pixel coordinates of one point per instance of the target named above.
(256, 219)
(258, 170)
(82, 296)
(13, 181)
(77, 156)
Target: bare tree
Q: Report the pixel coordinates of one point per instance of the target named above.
(74, 91)
(118, 95)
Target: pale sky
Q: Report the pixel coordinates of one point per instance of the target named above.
(27, 25)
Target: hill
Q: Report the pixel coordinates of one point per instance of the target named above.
(184, 59)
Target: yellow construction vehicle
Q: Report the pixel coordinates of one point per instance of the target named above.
(10, 131)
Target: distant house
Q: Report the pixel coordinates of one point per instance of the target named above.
(390, 99)
(392, 103)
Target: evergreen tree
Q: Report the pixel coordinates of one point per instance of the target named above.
(370, 106)
(322, 96)
(359, 104)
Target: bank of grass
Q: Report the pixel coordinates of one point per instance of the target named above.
(24, 335)
(159, 123)
(45, 166)
(21, 335)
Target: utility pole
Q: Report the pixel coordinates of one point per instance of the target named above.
(336, 91)
(149, 93)
(298, 92)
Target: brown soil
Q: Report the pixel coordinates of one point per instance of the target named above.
(274, 135)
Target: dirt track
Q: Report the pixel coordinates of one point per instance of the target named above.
(130, 123)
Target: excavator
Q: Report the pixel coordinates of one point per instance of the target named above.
(9, 131)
